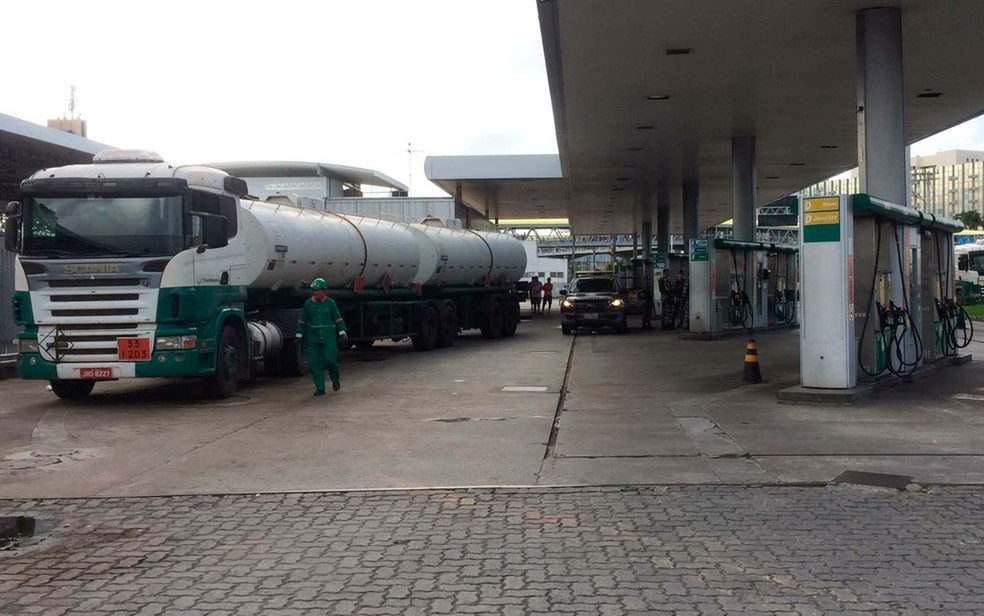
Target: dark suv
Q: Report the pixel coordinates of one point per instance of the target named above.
(593, 301)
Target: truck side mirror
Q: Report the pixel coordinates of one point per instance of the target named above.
(11, 227)
(215, 231)
(563, 291)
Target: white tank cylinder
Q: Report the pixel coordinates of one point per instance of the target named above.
(288, 246)
(391, 250)
(463, 258)
(508, 258)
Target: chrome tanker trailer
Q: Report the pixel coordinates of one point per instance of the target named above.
(131, 267)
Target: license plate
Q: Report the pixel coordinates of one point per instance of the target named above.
(96, 373)
(133, 349)
(590, 316)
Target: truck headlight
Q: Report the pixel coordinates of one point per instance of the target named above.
(567, 304)
(616, 303)
(26, 345)
(171, 343)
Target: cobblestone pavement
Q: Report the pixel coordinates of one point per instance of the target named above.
(682, 550)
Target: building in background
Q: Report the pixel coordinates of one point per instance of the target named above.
(545, 267)
(75, 126)
(945, 184)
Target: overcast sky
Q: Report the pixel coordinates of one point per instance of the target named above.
(338, 81)
(348, 82)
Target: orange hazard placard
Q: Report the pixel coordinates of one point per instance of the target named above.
(133, 349)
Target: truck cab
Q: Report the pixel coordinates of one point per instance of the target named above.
(593, 300)
(970, 269)
(128, 267)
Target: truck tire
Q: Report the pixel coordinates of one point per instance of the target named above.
(448, 330)
(273, 364)
(72, 389)
(512, 319)
(566, 329)
(430, 323)
(623, 325)
(229, 354)
(364, 344)
(293, 360)
(492, 323)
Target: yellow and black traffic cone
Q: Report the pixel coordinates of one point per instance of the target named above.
(752, 372)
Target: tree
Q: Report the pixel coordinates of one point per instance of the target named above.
(971, 219)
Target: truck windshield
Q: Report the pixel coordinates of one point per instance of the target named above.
(593, 285)
(94, 226)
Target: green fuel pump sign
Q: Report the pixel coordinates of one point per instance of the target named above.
(821, 220)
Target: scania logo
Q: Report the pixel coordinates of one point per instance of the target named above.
(93, 268)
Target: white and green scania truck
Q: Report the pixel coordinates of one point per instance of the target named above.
(132, 267)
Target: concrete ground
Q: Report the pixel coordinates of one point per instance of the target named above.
(183, 523)
(685, 550)
(641, 408)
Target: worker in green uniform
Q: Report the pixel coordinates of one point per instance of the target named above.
(322, 327)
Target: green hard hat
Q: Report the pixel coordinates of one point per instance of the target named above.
(319, 284)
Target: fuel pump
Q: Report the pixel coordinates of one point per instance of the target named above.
(954, 326)
(846, 234)
(785, 296)
(905, 331)
(740, 311)
(879, 283)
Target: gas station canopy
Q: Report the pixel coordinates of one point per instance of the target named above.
(649, 94)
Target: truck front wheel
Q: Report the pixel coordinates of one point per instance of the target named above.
(72, 389)
(229, 354)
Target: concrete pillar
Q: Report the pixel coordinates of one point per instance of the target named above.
(663, 241)
(647, 239)
(691, 212)
(743, 187)
(461, 211)
(882, 163)
(881, 121)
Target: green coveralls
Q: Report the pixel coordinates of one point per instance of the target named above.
(319, 324)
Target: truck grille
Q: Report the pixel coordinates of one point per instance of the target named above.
(79, 319)
(77, 301)
(74, 283)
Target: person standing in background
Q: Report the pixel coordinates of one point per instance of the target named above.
(548, 295)
(536, 291)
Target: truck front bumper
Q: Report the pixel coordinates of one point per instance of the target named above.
(177, 363)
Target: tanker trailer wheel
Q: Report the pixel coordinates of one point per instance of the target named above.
(493, 322)
(512, 319)
(229, 353)
(430, 323)
(72, 389)
(293, 358)
(449, 326)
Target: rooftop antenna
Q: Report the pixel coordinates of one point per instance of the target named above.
(410, 153)
(71, 103)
